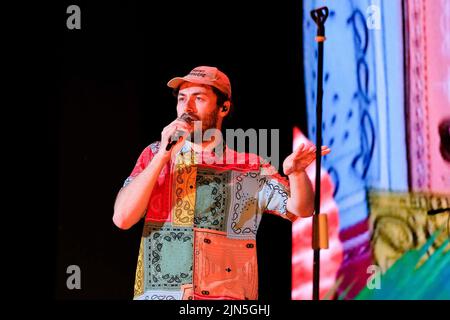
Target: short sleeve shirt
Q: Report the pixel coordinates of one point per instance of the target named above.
(199, 237)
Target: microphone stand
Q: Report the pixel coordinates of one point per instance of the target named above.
(320, 225)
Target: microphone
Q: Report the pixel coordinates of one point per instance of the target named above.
(186, 117)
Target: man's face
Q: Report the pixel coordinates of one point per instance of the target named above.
(199, 100)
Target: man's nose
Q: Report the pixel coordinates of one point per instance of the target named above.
(190, 105)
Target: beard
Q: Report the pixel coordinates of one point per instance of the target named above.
(208, 122)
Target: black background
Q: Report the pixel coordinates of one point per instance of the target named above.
(107, 100)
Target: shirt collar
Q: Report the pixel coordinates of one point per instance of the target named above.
(187, 153)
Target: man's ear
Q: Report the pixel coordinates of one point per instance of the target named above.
(225, 108)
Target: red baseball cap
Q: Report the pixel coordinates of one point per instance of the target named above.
(205, 75)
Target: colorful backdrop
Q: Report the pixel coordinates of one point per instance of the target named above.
(386, 117)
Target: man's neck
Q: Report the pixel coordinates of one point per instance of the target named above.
(205, 146)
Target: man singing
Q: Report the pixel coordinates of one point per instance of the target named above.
(202, 201)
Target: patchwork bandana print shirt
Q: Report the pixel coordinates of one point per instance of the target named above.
(199, 238)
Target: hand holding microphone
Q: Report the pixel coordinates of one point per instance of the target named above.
(178, 129)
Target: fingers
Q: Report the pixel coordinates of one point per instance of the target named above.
(302, 158)
(166, 135)
(177, 125)
(177, 130)
(313, 149)
(300, 148)
(182, 125)
(325, 150)
(304, 149)
(309, 152)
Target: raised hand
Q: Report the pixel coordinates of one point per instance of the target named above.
(302, 158)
